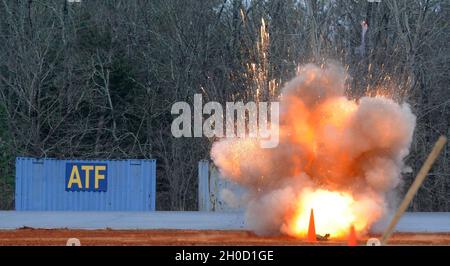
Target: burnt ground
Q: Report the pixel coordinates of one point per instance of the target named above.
(58, 237)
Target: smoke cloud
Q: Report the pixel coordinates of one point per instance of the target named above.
(339, 156)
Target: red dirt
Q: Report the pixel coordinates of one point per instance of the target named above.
(57, 237)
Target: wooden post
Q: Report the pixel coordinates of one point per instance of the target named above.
(414, 187)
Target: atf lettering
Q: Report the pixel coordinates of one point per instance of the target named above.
(79, 177)
(99, 176)
(75, 178)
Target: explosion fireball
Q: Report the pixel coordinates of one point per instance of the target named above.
(341, 157)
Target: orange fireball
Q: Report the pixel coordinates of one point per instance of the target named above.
(334, 213)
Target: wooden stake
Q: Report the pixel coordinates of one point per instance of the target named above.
(414, 187)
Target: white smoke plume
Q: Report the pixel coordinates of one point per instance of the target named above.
(339, 156)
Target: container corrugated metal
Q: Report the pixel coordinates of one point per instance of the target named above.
(211, 185)
(203, 186)
(40, 186)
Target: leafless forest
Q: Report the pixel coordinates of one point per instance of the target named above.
(97, 79)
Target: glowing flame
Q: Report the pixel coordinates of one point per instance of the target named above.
(334, 213)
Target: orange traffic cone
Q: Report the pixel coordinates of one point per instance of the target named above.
(352, 237)
(312, 228)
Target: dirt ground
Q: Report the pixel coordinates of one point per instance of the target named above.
(57, 237)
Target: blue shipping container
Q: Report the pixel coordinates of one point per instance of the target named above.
(85, 185)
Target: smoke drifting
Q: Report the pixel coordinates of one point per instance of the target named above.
(336, 155)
